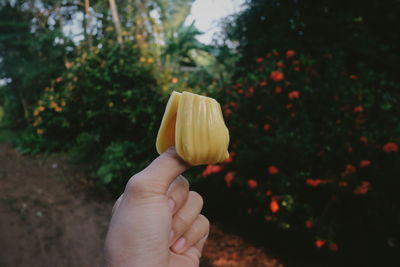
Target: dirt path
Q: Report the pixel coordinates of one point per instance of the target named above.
(48, 219)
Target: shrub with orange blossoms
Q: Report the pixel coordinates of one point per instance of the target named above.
(274, 206)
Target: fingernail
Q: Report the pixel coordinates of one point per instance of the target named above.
(179, 245)
(171, 236)
(171, 204)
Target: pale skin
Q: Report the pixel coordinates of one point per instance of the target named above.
(156, 222)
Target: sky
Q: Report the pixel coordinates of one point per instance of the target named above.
(207, 13)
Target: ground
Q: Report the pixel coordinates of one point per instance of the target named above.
(50, 217)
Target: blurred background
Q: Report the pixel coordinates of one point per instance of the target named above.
(309, 90)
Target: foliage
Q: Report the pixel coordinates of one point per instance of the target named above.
(104, 97)
(314, 148)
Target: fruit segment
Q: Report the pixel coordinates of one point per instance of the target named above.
(195, 126)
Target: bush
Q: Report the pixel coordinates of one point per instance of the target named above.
(106, 97)
(314, 149)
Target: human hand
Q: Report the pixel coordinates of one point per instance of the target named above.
(156, 222)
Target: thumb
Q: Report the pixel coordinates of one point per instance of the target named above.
(157, 177)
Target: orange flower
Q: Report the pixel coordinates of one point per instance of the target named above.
(174, 80)
(319, 243)
(266, 127)
(309, 224)
(277, 76)
(263, 83)
(350, 168)
(289, 106)
(290, 53)
(312, 182)
(358, 109)
(294, 94)
(274, 206)
(259, 59)
(250, 91)
(211, 169)
(39, 131)
(278, 90)
(363, 188)
(273, 170)
(391, 147)
(252, 183)
(229, 178)
(365, 163)
(280, 65)
(333, 247)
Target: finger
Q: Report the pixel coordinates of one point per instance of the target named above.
(117, 203)
(184, 218)
(178, 192)
(198, 230)
(158, 176)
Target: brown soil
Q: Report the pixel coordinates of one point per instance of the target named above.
(49, 218)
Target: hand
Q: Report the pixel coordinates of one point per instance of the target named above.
(156, 222)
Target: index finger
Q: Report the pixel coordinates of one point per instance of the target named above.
(162, 171)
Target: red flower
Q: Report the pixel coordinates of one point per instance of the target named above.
(252, 183)
(296, 62)
(274, 206)
(297, 68)
(290, 53)
(229, 178)
(228, 159)
(250, 91)
(364, 139)
(294, 94)
(277, 76)
(268, 55)
(309, 224)
(280, 65)
(312, 182)
(363, 188)
(240, 91)
(319, 243)
(365, 163)
(263, 83)
(211, 169)
(343, 184)
(278, 90)
(358, 109)
(289, 106)
(227, 112)
(273, 170)
(354, 77)
(333, 247)
(232, 154)
(268, 193)
(350, 169)
(259, 59)
(276, 53)
(391, 147)
(266, 127)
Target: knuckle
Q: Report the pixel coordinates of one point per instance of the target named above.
(184, 182)
(135, 185)
(204, 221)
(197, 198)
(180, 223)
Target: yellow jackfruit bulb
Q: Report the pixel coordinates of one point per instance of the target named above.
(195, 126)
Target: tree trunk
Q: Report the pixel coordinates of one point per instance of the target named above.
(88, 22)
(116, 21)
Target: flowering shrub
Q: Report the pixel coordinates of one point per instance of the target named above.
(105, 98)
(314, 148)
